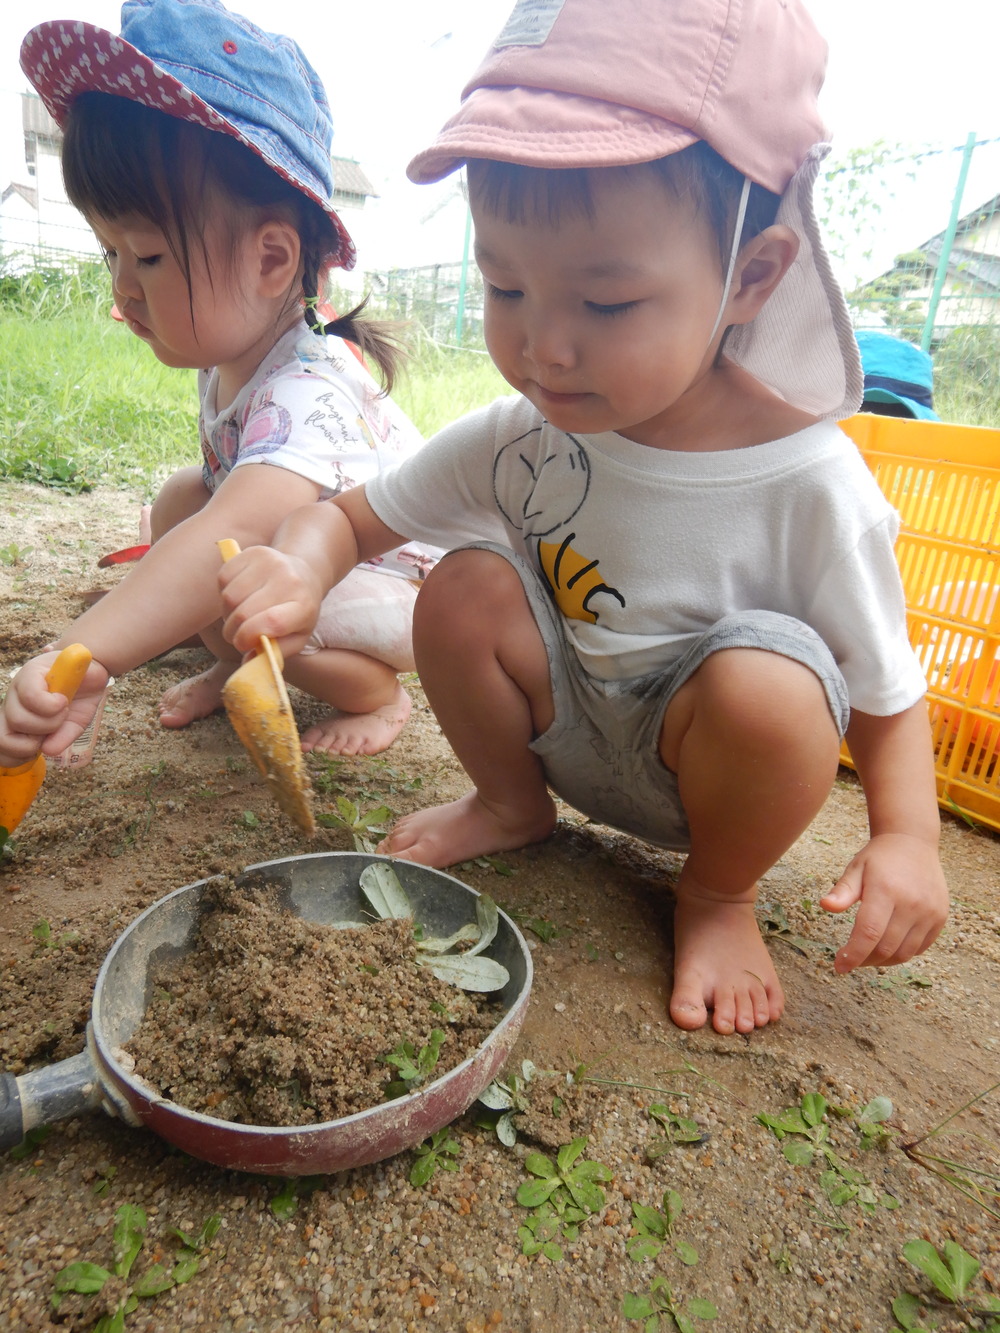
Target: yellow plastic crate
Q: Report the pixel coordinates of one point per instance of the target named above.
(945, 482)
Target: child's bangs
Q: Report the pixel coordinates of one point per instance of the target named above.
(549, 195)
(520, 194)
(113, 160)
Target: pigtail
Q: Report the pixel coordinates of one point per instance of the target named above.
(378, 339)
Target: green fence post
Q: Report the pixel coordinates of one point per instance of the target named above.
(947, 243)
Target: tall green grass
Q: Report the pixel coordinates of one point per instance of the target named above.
(967, 376)
(83, 402)
(440, 384)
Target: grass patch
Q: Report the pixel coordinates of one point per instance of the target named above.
(84, 402)
(440, 384)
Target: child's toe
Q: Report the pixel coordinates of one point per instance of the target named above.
(687, 1008)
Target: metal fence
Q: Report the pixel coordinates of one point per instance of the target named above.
(446, 300)
(948, 277)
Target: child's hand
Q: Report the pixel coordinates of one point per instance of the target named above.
(267, 592)
(898, 880)
(33, 718)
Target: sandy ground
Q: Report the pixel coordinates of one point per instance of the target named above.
(778, 1248)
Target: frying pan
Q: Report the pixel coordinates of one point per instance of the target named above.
(322, 887)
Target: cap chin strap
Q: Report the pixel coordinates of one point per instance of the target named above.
(741, 213)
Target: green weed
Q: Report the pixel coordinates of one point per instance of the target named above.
(285, 1203)
(951, 1271)
(546, 930)
(493, 863)
(775, 926)
(806, 1129)
(413, 1066)
(660, 1309)
(562, 1195)
(359, 824)
(899, 980)
(654, 1229)
(45, 938)
(676, 1129)
(439, 1151)
(105, 1178)
(31, 1142)
(978, 1178)
(90, 1279)
(14, 554)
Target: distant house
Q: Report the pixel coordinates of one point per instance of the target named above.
(351, 187)
(970, 293)
(36, 218)
(38, 221)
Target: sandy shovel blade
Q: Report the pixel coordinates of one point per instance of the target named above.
(258, 707)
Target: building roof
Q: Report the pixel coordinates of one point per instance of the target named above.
(979, 266)
(36, 120)
(348, 178)
(27, 192)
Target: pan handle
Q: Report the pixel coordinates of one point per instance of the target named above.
(41, 1096)
(11, 1124)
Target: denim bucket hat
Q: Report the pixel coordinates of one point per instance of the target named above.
(195, 60)
(897, 372)
(588, 83)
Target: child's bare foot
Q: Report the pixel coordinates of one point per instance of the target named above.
(721, 964)
(462, 830)
(360, 733)
(196, 697)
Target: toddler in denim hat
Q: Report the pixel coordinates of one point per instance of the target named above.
(198, 148)
(676, 587)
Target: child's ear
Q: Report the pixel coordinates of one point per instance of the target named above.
(278, 250)
(762, 263)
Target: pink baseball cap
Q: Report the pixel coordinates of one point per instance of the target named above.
(591, 83)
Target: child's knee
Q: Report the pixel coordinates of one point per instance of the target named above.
(183, 493)
(467, 588)
(764, 698)
(781, 691)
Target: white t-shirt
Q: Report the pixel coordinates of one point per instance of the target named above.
(313, 408)
(644, 549)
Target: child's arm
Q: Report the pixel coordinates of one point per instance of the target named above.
(277, 590)
(897, 876)
(170, 594)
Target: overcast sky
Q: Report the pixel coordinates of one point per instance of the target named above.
(911, 71)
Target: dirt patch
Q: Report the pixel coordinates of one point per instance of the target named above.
(273, 1020)
(366, 1249)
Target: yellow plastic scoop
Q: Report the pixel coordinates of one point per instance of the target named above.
(19, 785)
(257, 703)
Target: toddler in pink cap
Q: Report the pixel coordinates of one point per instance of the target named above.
(675, 588)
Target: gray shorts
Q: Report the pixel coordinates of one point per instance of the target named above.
(601, 753)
